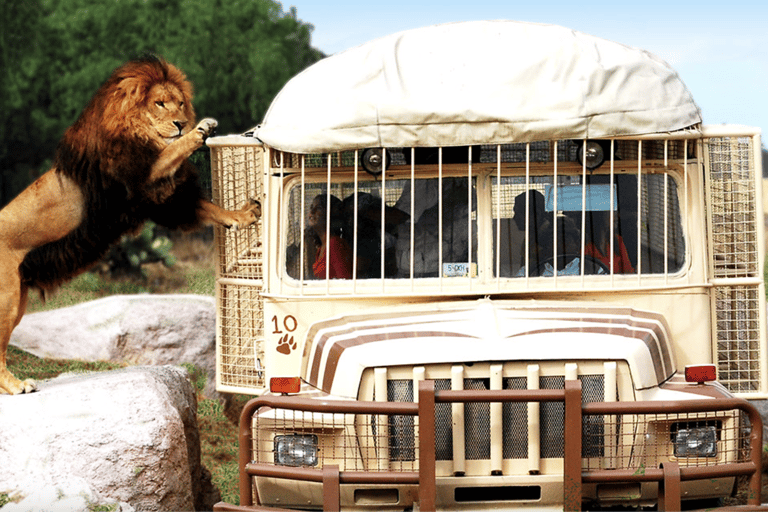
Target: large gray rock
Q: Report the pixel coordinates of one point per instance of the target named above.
(134, 329)
(129, 436)
(75, 495)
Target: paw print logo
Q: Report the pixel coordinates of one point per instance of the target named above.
(286, 345)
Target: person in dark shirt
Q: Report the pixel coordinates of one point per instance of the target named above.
(538, 223)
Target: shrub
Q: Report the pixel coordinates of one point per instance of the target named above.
(126, 258)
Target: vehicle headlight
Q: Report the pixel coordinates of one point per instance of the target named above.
(696, 442)
(296, 450)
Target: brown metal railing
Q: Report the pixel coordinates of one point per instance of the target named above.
(669, 474)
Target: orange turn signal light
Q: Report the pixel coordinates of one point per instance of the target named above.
(284, 384)
(700, 373)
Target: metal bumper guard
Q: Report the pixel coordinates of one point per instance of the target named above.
(668, 475)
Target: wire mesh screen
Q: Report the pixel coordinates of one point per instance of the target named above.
(735, 231)
(733, 207)
(402, 428)
(237, 180)
(738, 317)
(539, 151)
(355, 442)
(515, 422)
(237, 177)
(690, 439)
(552, 413)
(240, 343)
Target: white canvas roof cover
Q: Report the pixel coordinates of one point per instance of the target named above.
(477, 82)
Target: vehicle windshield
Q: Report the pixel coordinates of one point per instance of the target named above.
(537, 226)
(477, 220)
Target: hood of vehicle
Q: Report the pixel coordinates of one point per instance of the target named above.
(340, 349)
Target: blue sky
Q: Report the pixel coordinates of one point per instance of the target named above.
(720, 49)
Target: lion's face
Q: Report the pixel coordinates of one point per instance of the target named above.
(168, 111)
(145, 99)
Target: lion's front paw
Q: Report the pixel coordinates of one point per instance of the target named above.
(207, 127)
(246, 216)
(254, 208)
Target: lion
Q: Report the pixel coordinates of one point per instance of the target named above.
(124, 161)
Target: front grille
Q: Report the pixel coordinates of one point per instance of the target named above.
(402, 433)
(477, 421)
(515, 427)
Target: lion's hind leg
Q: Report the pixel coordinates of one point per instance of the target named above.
(13, 302)
(10, 385)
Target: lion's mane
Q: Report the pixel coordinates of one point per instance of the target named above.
(108, 152)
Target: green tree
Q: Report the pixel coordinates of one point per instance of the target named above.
(245, 51)
(24, 126)
(56, 53)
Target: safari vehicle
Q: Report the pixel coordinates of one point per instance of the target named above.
(500, 265)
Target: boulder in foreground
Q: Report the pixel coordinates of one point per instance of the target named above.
(128, 436)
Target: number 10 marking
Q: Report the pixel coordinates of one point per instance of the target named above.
(289, 323)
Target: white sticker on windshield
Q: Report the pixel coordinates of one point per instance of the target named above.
(459, 269)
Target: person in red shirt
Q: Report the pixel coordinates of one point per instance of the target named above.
(329, 241)
(598, 243)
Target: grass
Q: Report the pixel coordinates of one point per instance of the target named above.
(218, 436)
(218, 429)
(83, 288)
(193, 273)
(27, 366)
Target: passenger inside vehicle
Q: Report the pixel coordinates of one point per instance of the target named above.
(428, 217)
(554, 241)
(331, 250)
(558, 248)
(598, 242)
(537, 221)
(369, 233)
